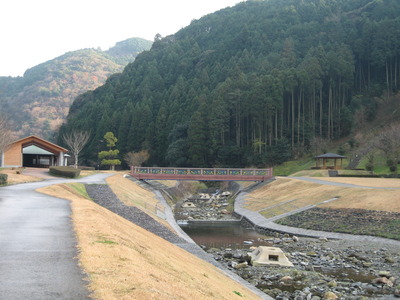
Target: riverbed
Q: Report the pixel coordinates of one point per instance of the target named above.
(323, 269)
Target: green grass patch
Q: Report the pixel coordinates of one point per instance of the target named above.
(107, 242)
(294, 166)
(80, 189)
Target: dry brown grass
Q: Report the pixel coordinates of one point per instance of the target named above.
(85, 173)
(370, 199)
(288, 194)
(124, 261)
(134, 195)
(15, 178)
(129, 192)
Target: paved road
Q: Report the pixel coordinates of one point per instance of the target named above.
(341, 184)
(37, 244)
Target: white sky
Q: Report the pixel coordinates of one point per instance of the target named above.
(35, 31)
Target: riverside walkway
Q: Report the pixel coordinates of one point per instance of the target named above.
(260, 222)
(38, 245)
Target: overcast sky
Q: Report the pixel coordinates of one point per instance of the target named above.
(35, 31)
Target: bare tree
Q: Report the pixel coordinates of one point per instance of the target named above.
(319, 145)
(136, 158)
(6, 136)
(76, 140)
(364, 150)
(389, 142)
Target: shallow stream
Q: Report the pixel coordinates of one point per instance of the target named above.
(223, 234)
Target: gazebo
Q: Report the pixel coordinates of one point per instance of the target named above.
(324, 159)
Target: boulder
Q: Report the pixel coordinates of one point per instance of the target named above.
(330, 296)
(286, 278)
(383, 281)
(384, 274)
(241, 265)
(397, 293)
(332, 283)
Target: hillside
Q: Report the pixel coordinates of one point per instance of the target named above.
(38, 102)
(254, 84)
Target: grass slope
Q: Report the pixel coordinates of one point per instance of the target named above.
(288, 194)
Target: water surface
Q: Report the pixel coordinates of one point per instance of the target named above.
(223, 235)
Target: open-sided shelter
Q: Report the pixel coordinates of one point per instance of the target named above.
(325, 158)
(33, 151)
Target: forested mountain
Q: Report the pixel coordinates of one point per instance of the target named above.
(253, 84)
(125, 52)
(38, 102)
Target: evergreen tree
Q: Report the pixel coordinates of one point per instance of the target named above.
(109, 158)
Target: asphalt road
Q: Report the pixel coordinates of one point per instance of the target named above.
(38, 246)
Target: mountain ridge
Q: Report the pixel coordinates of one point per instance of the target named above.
(38, 102)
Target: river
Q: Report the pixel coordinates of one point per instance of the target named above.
(226, 234)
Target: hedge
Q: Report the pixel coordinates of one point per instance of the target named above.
(3, 179)
(370, 175)
(65, 172)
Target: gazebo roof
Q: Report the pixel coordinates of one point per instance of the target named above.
(330, 156)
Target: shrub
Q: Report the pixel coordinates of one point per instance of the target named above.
(370, 175)
(3, 179)
(369, 166)
(341, 150)
(362, 175)
(65, 172)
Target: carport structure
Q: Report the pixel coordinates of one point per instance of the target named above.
(33, 151)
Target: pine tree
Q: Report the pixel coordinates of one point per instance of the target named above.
(109, 158)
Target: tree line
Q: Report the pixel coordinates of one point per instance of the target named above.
(254, 84)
